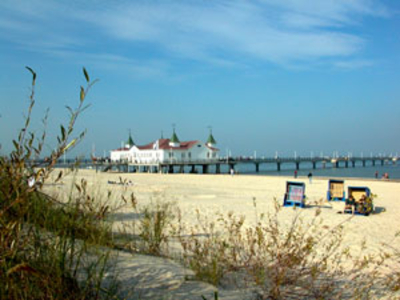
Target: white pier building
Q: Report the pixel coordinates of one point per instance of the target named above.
(167, 151)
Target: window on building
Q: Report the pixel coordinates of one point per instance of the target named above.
(183, 155)
(190, 155)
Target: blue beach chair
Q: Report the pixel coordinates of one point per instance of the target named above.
(295, 194)
(359, 201)
(336, 190)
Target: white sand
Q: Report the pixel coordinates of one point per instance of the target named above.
(155, 277)
(223, 193)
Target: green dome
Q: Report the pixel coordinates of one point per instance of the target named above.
(211, 140)
(130, 141)
(174, 138)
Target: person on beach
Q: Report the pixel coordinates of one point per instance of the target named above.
(376, 174)
(350, 204)
(310, 177)
(232, 171)
(295, 173)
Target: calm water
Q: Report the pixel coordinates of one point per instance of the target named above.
(288, 169)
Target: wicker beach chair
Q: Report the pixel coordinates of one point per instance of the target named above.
(336, 190)
(295, 194)
(361, 200)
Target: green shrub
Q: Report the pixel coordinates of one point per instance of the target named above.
(44, 244)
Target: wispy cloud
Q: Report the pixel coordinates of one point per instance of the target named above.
(353, 64)
(222, 33)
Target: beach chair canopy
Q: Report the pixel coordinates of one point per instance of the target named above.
(295, 191)
(336, 188)
(356, 192)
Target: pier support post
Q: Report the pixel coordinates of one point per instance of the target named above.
(181, 169)
(314, 165)
(171, 169)
(278, 165)
(193, 169)
(373, 162)
(297, 165)
(323, 164)
(205, 169)
(217, 168)
(346, 163)
(363, 162)
(257, 167)
(382, 162)
(354, 163)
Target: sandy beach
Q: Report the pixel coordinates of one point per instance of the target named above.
(212, 194)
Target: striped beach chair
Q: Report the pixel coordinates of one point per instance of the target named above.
(295, 194)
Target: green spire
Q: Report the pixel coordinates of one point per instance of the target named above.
(130, 141)
(174, 138)
(211, 140)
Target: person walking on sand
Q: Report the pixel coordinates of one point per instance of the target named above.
(310, 177)
(295, 173)
(376, 174)
(232, 171)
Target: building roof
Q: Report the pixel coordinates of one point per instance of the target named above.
(212, 148)
(122, 149)
(164, 144)
(130, 141)
(211, 140)
(174, 138)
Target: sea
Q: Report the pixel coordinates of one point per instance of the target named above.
(287, 169)
(393, 170)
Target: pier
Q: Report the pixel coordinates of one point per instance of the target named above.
(206, 165)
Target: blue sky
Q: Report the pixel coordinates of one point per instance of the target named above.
(267, 75)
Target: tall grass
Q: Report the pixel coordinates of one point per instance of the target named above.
(45, 245)
(300, 260)
(151, 228)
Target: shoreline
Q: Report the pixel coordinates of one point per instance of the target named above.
(288, 177)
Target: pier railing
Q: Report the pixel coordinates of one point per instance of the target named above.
(231, 162)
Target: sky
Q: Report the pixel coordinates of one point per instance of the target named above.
(267, 75)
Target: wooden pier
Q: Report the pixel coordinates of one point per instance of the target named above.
(231, 163)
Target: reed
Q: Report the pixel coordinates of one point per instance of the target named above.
(47, 246)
